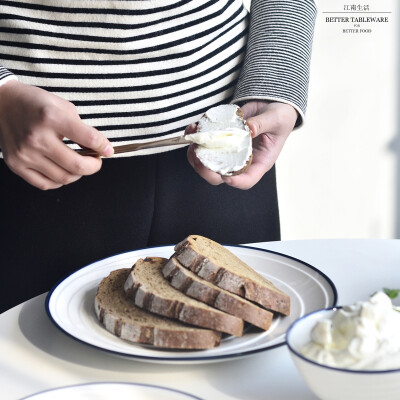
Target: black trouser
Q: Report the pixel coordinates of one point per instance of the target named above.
(131, 203)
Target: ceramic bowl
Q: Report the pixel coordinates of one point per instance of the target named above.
(337, 383)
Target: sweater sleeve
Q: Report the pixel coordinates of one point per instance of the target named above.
(277, 61)
(6, 75)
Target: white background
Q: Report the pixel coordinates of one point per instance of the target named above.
(339, 174)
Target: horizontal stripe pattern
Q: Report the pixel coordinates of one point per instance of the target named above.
(145, 69)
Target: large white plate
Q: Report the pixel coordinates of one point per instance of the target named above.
(70, 305)
(111, 390)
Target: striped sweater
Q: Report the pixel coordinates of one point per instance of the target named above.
(139, 69)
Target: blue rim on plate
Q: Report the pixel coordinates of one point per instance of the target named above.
(178, 359)
(133, 384)
(353, 371)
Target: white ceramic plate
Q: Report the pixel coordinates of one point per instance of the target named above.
(70, 305)
(112, 390)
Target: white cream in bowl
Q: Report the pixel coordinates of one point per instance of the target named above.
(363, 336)
(349, 354)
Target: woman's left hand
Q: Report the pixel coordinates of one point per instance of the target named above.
(270, 124)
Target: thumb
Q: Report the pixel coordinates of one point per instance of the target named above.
(260, 123)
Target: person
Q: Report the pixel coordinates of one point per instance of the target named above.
(98, 74)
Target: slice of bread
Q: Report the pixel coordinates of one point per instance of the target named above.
(214, 263)
(224, 118)
(122, 318)
(189, 283)
(149, 290)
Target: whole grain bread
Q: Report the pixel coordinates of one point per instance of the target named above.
(214, 263)
(149, 290)
(122, 318)
(189, 283)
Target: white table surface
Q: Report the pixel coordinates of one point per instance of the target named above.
(35, 355)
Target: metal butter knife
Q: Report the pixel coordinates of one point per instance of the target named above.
(139, 146)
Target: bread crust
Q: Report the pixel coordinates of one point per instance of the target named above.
(153, 331)
(268, 296)
(169, 302)
(188, 283)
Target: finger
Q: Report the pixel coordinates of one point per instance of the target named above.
(249, 109)
(39, 170)
(211, 177)
(271, 118)
(264, 158)
(247, 179)
(261, 123)
(38, 180)
(86, 136)
(56, 173)
(52, 171)
(191, 155)
(71, 161)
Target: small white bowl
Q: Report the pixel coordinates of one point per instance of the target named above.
(338, 383)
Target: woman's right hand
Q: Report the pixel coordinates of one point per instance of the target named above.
(33, 123)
